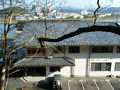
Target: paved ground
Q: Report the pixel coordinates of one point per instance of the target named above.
(41, 85)
(18, 83)
(91, 84)
(69, 84)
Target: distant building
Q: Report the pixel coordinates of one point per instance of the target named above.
(86, 12)
(26, 17)
(105, 15)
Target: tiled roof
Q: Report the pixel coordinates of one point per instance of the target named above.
(31, 62)
(56, 29)
(91, 38)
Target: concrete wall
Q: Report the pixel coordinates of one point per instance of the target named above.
(80, 68)
(64, 71)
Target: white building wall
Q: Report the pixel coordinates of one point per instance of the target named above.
(82, 62)
(64, 71)
(50, 74)
(105, 73)
(105, 58)
(80, 68)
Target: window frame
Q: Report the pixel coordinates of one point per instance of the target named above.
(118, 49)
(102, 49)
(54, 69)
(116, 67)
(36, 54)
(106, 65)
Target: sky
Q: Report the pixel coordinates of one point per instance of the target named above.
(87, 3)
(92, 3)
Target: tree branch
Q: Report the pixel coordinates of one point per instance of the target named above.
(95, 16)
(113, 29)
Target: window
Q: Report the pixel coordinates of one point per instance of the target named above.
(35, 51)
(118, 49)
(59, 49)
(117, 66)
(75, 49)
(102, 49)
(54, 69)
(100, 66)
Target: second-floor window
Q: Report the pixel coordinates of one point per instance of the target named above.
(102, 49)
(35, 51)
(118, 49)
(74, 49)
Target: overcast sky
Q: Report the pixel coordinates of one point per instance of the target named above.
(92, 3)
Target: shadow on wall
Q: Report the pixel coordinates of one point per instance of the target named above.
(46, 84)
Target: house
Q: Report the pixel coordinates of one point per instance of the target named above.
(92, 54)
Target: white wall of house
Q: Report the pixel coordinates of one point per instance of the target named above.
(64, 71)
(105, 58)
(80, 68)
(49, 74)
(81, 62)
(105, 73)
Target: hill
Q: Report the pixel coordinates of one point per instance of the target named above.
(16, 10)
(110, 10)
(102, 9)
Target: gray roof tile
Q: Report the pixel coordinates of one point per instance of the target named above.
(57, 29)
(30, 62)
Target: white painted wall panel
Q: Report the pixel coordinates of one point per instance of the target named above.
(66, 71)
(80, 68)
